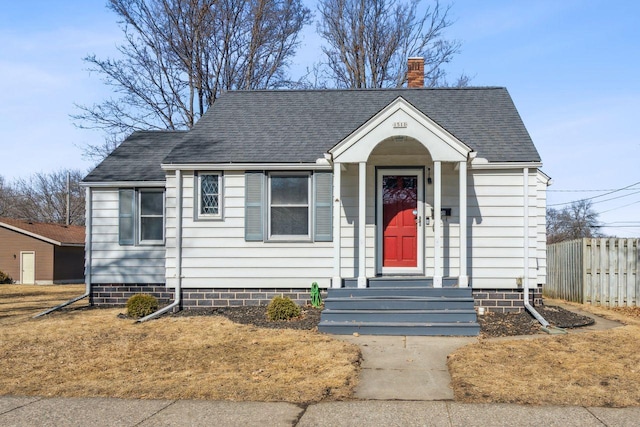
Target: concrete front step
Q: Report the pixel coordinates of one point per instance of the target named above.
(400, 328)
(427, 316)
(402, 281)
(399, 310)
(397, 303)
(399, 292)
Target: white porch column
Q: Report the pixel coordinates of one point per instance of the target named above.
(362, 224)
(437, 224)
(336, 281)
(463, 279)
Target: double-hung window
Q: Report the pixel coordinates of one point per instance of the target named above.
(209, 195)
(286, 206)
(289, 213)
(151, 217)
(141, 217)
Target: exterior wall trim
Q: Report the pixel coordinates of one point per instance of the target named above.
(505, 165)
(124, 184)
(248, 166)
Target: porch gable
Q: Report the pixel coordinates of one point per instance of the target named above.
(400, 120)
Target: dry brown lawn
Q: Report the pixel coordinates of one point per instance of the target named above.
(19, 302)
(94, 353)
(587, 369)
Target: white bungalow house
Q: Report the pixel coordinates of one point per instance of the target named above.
(352, 189)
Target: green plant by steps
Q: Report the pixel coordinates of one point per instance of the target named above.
(316, 299)
(141, 305)
(5, 278)
(282, 308)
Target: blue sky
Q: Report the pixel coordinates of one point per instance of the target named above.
(572, 68)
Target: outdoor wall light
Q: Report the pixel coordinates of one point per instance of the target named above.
(429, 180)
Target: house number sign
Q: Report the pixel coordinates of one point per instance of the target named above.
(399, 125)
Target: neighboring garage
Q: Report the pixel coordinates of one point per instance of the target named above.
(41, 253)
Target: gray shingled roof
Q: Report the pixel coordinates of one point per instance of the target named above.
(138, 158)
(299, 126)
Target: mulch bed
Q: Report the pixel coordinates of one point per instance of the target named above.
(523, 323)
(257, 315)
(491, 324)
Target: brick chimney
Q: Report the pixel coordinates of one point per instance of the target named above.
(415, 72)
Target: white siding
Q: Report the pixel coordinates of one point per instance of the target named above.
(112, 263)
(496, 231)
(215, 253)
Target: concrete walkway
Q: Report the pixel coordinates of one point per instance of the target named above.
(405, 367)
(29, 412)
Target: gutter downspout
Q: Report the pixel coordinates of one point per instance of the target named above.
(178, 291)
(88, 239)
(525, 279)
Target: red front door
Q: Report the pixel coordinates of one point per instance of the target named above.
(400, 231)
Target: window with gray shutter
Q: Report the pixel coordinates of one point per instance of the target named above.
(253, 206)
(323, 189)
(289, 204)
(126, 220)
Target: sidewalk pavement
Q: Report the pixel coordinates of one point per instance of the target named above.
(89, 412)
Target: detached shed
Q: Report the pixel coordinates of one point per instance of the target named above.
(41, 253)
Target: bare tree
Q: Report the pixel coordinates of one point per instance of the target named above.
(43, 198)
(179, 55)
(369, 41)
(6, 198)
(572, 222)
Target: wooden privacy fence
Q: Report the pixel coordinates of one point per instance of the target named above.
(598, 271)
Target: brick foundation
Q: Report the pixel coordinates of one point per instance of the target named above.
(506, 300)
(116, 295)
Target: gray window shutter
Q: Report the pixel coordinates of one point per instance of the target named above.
(126, 217)
(253, 206)
(323, 206)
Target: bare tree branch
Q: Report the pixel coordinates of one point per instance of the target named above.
(43, 197)
(368, 42)
(179, 55)
(572, 222)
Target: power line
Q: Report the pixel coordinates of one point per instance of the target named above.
(600, 195)
(588, 191)
(614, 198)
(624, 222)
(620, 207)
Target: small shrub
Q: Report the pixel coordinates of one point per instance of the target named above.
(282, 308)
(141, 305)
(5, 278)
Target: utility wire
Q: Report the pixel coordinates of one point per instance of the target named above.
(600, 195)
(614, 198)
(620, 207)
(587, 191)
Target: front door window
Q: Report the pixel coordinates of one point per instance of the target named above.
(399, 217)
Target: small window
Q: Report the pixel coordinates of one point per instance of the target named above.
(151, 218)
(289, 213)
(126, 223)
(209, 195)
